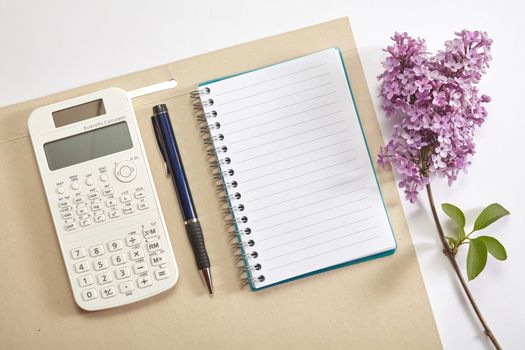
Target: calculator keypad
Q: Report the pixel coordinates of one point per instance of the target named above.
(97, 202)
(113, 238)
(135, 262)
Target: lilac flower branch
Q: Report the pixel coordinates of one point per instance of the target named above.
(437, 107)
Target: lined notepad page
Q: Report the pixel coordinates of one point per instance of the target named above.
(303, 172)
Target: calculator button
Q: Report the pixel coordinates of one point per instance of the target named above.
(132, 240)
(143, 205)
(82, 210)
(126, 287)
(82, 267)
(67, 215)
(115, 245)
(96, 206)
(63, 203)
(100, 217)
(61, 190)
(114, 214)
(100, 264)
(89, 294)
(96, 250)
(140, 268)
(86, 280)
(157, 260)
(78, 253)
(108, 292)
(128, 210)
(125, 171)
(154, 246)
(136, 254)
(92, 195)
(111, 203)
(90, 181)
(140, 194)
(150, 232)
(107, 191)
(104, 278)
(79, 199)
(85, 222)
(144, 281)
(104, 177)
(118, 259)
(125, 198)
(71, 226)
(122, 273)
(75, 185)
(161, 274)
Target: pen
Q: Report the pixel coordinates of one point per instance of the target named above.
(174, 167)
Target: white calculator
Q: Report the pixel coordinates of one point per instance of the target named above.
(103, 201)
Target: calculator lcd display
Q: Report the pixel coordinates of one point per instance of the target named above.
(87, 146)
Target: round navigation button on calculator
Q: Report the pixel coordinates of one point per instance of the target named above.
(90, 181)
(125, 171)
(75, 185)
(104, 177)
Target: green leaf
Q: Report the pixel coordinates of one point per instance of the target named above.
(494, 247)
(490, 214)
(461, 235)
(476, 258)
(455, 214)
(451, 241)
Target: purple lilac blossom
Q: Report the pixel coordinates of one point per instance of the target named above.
(436, 106)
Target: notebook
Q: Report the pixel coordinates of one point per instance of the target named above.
(298, 178)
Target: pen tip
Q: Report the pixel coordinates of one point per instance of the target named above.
(206, 277)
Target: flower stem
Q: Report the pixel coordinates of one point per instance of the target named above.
(448, 253)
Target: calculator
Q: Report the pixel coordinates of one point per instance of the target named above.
(102, 199)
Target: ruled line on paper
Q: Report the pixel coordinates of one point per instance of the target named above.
(309, 215)
(316, 234)
(323, 253)
(268, 80)
(244, 149)
(273, 89)
(290, 147)
(296, 176)
(281, 212)
(305, 195)
(297, 166)
(295, 156)
(275, 99)
(276, 109)
(278, 119)
(316, 118)
(324, 220)
(311, 203)
(299, 186)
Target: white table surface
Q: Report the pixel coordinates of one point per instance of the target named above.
(50, 46)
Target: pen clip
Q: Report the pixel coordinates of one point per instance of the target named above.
(160, 143)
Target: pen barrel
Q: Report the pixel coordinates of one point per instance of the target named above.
(194, 231)
(170, 150)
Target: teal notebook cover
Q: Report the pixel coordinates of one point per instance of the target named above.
(348, 263)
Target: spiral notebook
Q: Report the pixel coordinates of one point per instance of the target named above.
(298, 177)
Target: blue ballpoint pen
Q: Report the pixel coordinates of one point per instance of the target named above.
(174, 167)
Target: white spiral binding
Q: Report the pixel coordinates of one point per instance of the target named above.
(240, 233)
